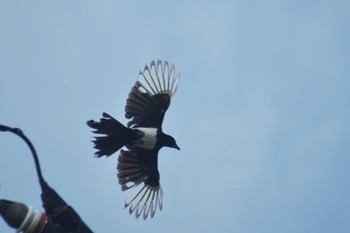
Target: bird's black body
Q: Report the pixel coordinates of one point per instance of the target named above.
(143, 137)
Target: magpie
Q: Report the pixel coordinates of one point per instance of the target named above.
(142, 138)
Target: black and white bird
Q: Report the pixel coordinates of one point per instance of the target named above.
(143, 137)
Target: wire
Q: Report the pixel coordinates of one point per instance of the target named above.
(19, 133)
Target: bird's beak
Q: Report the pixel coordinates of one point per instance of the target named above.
(176, 147)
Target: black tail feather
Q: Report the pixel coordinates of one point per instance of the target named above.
(115, 136)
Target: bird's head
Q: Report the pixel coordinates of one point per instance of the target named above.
(169, 141)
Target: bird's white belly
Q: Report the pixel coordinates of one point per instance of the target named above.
(148, 141)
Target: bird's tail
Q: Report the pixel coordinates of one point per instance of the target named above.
(115, 136)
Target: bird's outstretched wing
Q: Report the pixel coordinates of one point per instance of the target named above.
(138, 168)
(150, 96)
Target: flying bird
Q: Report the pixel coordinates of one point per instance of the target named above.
(142, 138)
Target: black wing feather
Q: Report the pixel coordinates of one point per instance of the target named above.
(138, 168)
(150, 96)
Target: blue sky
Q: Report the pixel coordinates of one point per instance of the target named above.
(261, 113)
